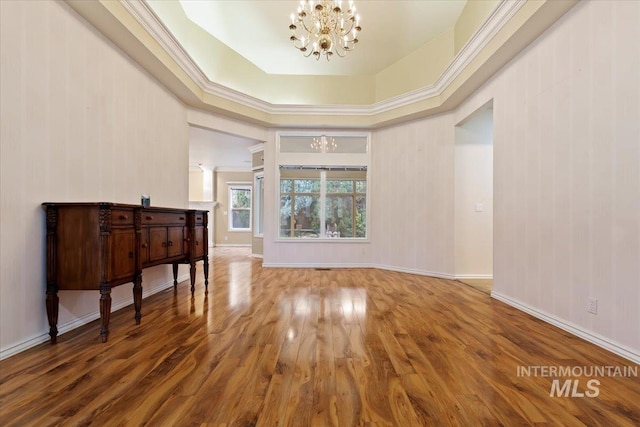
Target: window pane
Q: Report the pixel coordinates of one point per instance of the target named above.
(339, 216)
(240, 198)
(361, 216)
(241, 218)
(307, 216)
(339, 186)
(297, 144)
(349, 145)
(285, 185)
(344, 191)
(285, 216)
(307, 185)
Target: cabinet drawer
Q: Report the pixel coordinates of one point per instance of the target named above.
(158, 218)
(122, 217)
(199, 218)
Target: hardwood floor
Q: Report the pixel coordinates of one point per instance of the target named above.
(305, 347)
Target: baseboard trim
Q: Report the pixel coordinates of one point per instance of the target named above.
(315, 265)
(474, 276)
(80, 321)
(573, 329)
(414, 271)
(257, 256)
(218, 245)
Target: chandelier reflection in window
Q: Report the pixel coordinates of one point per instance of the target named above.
(324, 144)
(324, 28)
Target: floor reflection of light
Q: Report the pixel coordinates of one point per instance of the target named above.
(353, 303)
(239, 296)
(343, 310)
(302, 306)
(291, 334)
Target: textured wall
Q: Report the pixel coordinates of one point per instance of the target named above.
(412, 196)
(567, 172)
(80, 122)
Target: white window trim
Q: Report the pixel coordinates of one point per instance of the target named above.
(332, 159)
(258, 202)
(238, 186)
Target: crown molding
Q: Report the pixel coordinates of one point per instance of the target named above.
(256, 148)
(148, 19)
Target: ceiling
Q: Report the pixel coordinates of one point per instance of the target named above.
(229, 85)
(216, 150)
(389, 34)
(258, 31)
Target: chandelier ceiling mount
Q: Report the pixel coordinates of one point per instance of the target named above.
(324, 28)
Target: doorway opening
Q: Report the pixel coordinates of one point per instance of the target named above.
(474, 199)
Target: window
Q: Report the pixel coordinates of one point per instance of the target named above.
(239, 208)
(323, 185)
(346, 201)
(300, 204)
(258, 185)
(323, 202)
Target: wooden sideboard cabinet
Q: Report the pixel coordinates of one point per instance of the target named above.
(97, 246)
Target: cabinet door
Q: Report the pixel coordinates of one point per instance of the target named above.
(199, 231)
(123, 261)
(157, 243)
(144, 246)
(174, 242)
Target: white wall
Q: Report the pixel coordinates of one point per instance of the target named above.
(304, 253)
(474, 186)
(412, 196)
(80, 122)
(567, 174)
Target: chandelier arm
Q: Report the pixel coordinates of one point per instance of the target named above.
(304, 25)
(326, 27)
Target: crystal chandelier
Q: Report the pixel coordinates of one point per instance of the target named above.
(324, 28)
(324, 144)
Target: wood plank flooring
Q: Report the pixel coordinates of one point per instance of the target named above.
(305, 347)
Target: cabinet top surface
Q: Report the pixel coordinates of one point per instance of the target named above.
(116, 206)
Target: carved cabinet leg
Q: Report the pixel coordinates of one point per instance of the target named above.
(206, 273)
(175, 275)
(105, 310)
(137, 298)
(192, 273)
(52, 312)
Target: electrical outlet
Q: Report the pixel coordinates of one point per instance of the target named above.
(226, 238)
(592, 305)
